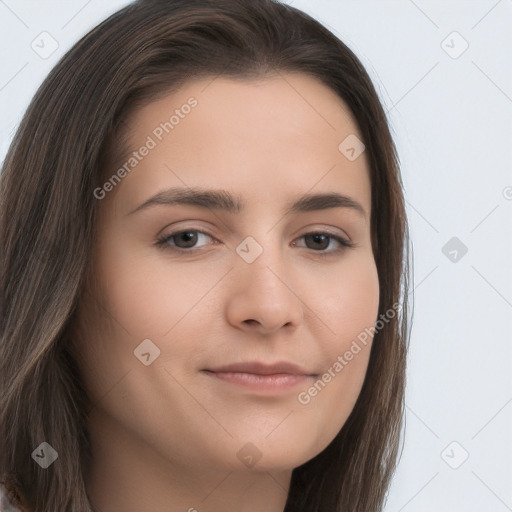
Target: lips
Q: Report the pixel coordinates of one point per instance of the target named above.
(261, 379)
(258, 368)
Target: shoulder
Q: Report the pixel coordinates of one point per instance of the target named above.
(7, 501)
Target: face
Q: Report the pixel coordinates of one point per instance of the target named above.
(186, 285)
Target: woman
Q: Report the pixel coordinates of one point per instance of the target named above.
(255, 371)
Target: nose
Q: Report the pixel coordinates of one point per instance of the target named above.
(264, 295)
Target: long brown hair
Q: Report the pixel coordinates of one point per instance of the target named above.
(47, 220)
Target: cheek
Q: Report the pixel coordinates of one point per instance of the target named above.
(350, 302)
(349, 308)
(146, 296)
(148, 293)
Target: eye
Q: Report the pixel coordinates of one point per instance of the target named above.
(186, 240)
(183, 240)
(322, 240)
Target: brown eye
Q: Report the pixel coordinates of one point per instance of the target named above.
(320, 241)
(182, 240)
(185, 239)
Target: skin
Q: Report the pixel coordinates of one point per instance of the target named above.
(165, 437)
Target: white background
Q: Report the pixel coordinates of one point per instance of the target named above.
(452, 122)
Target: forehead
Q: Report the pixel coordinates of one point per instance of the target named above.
(273, 134)
(242, 104)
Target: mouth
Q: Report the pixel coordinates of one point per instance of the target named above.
(260, 377)
(263, 383)
(259, 368)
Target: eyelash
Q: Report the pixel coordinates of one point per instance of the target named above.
(163, 242)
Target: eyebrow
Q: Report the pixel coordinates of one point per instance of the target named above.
(223, 200)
